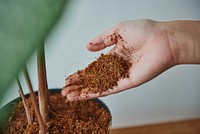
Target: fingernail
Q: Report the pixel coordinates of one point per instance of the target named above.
(63, 92)
(67, 82)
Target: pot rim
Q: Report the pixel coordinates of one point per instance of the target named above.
(7, 109)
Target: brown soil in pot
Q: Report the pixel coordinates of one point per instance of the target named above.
(80, 117)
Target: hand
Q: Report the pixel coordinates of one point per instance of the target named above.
(142, 42)
(145, 43)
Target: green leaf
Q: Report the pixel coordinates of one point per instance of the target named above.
(24, 24)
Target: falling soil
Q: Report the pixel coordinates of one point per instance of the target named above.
(80, 117)
(104, 73)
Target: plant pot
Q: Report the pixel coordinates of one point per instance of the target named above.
(7, 110)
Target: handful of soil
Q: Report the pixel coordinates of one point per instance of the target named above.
(103, 74)
(80, 117)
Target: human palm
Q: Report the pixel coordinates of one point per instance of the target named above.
(144, 43)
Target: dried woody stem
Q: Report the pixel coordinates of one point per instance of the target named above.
(43, 92)
(26, 106)
(35, 105)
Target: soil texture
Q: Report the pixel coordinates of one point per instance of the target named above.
(79, 117)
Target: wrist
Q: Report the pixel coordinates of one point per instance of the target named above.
(184, 41)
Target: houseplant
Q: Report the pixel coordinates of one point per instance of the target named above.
(54, 114)
(42, 114)
(23, 27)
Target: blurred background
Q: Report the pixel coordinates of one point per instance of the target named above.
(173, 95)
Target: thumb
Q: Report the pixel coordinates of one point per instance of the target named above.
(104, 40)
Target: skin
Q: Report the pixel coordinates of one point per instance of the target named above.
(152, 48)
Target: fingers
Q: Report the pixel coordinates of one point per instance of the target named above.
(73, 93)
(102, 41)
(65, 91)
(72, 79)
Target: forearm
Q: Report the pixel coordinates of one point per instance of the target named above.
(184, 40)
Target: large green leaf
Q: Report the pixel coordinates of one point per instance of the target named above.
(24, 24)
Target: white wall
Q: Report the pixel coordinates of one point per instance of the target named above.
(174, 95)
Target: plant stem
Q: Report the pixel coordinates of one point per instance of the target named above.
(43, 92)
(26, 106)
(35, 105)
